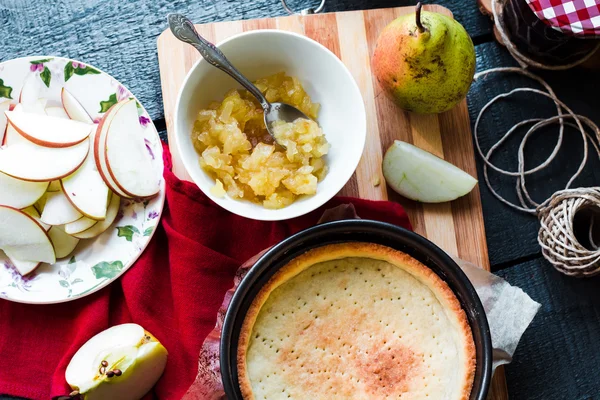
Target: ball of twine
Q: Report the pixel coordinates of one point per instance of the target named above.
(556, 236)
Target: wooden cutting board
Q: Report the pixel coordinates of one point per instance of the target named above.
(457, 227)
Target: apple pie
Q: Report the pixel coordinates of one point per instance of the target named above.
(356, 321)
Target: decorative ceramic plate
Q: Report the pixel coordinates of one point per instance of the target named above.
(96, 262)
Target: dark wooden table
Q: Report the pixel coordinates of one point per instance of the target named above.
(559, 356)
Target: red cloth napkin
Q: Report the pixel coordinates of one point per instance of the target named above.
(174, 291)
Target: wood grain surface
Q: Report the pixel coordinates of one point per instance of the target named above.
(457, 227)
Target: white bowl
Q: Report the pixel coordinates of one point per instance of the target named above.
(258, 54)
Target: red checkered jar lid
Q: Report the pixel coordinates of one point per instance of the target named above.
(580, 18)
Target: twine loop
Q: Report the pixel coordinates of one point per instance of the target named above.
(557, 238)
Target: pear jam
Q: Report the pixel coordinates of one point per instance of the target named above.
(236, 149)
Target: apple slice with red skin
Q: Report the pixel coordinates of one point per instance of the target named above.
(86, 189)
(82, 224)
(102, 226)
(99, 145)
(30, 162)
(12, 136)
(63, 243)
(35, 214)
(4, 133)
(58, 210)
(127, 158)
(23, 237)
(73, 107)
(24, 267)
(4, 106)
(48, 131)
(18, 193)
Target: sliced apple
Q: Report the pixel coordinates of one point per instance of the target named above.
(139, 356)
(419, 175)
(20, 194)
(127, 159)
(63, 243)
(59, 210)
(80, 225)
(86, 189)
(57, 112)
(12, 136)
(30, 162)
(35, 214)
(48, 131)
(23, 238)
(73, 107)
(24, 267)
(99, 146)
(4, 106)
(101, 226)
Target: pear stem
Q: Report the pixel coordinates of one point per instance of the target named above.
(418, 18)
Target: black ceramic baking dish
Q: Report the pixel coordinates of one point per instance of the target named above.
(356, 231)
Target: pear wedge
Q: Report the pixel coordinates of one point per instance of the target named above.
(419, 175)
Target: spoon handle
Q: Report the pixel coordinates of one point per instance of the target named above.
(184, 30)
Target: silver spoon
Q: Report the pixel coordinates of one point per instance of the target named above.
(184, 30)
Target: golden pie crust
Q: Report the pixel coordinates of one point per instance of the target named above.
(356, 321)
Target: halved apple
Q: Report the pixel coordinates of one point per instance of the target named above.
(138, 356)
(80, 225)
(86, 189)
(23, 237)
(30, 162)
(57, 112)
(59, 210)
(101, 226)
(20, 194)
(35, 214)
(73, 107)
(127, 159)
(63, 243)
(99, 145)
(48, 131)
(4, 106)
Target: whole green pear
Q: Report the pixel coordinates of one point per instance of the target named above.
(425, 62)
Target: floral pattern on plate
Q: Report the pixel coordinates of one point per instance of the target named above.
(96, 262)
